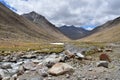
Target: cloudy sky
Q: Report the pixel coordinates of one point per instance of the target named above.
(85, 13)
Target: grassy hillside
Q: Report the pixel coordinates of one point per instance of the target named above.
(107, 35)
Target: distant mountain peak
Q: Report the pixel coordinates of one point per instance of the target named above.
(34, 16)
(73, 32)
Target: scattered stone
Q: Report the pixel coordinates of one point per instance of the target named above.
(67, 76)
(1, 58)
(2, 73)
(6, 78)
(6, 66)
(69, 54)
(108, 50)
(60, 68)
(29, 56)
(29, 65)
(104, 57)
(103, 64)
(12, 71)
(43, 72)
(90, 69)
(0, 77)
(21, 70)
(79, 55)
(14, 77)
(50, 61)
(88, 57)
(36, 61)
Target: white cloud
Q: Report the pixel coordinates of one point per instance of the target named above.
(71, 12)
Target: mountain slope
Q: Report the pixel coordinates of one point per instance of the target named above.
(15, 27)
(108, 32)
(45, 25)
(74, 32)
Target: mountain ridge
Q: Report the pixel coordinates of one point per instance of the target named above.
(73, 32)
(17, 27)
(108, 32)
(44, 24)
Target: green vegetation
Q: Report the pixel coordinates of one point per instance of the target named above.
(88, 44)
(8, 47)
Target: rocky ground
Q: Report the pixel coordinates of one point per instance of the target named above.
(69, 65)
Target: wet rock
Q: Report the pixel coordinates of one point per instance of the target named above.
(69, 54)
(60, 68)
(2, 74)
(5, 73)
(29, 66)
(12, 71)
(21, 70)
(102, 64)
(104, 57)
(6, 66)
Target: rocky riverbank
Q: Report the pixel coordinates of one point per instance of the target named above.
(69, 65)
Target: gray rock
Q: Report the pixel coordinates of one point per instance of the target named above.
(6, 66)
(2, 74)
(36, 61)
(29, 56)
(67, 76)
(1, 58)
(12, 71)
(79, 55)
(14, 77)
(90, 69)
(69, 54)
(0, 77)
(21, 70)
(6, 78)
(29, 66)
(51, 60)
(60, 68)
(102, 64)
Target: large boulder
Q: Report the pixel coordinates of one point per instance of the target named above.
(51, 60)
(60, 68)
(104, 57)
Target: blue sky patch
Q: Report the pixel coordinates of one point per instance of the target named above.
(7, 5)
